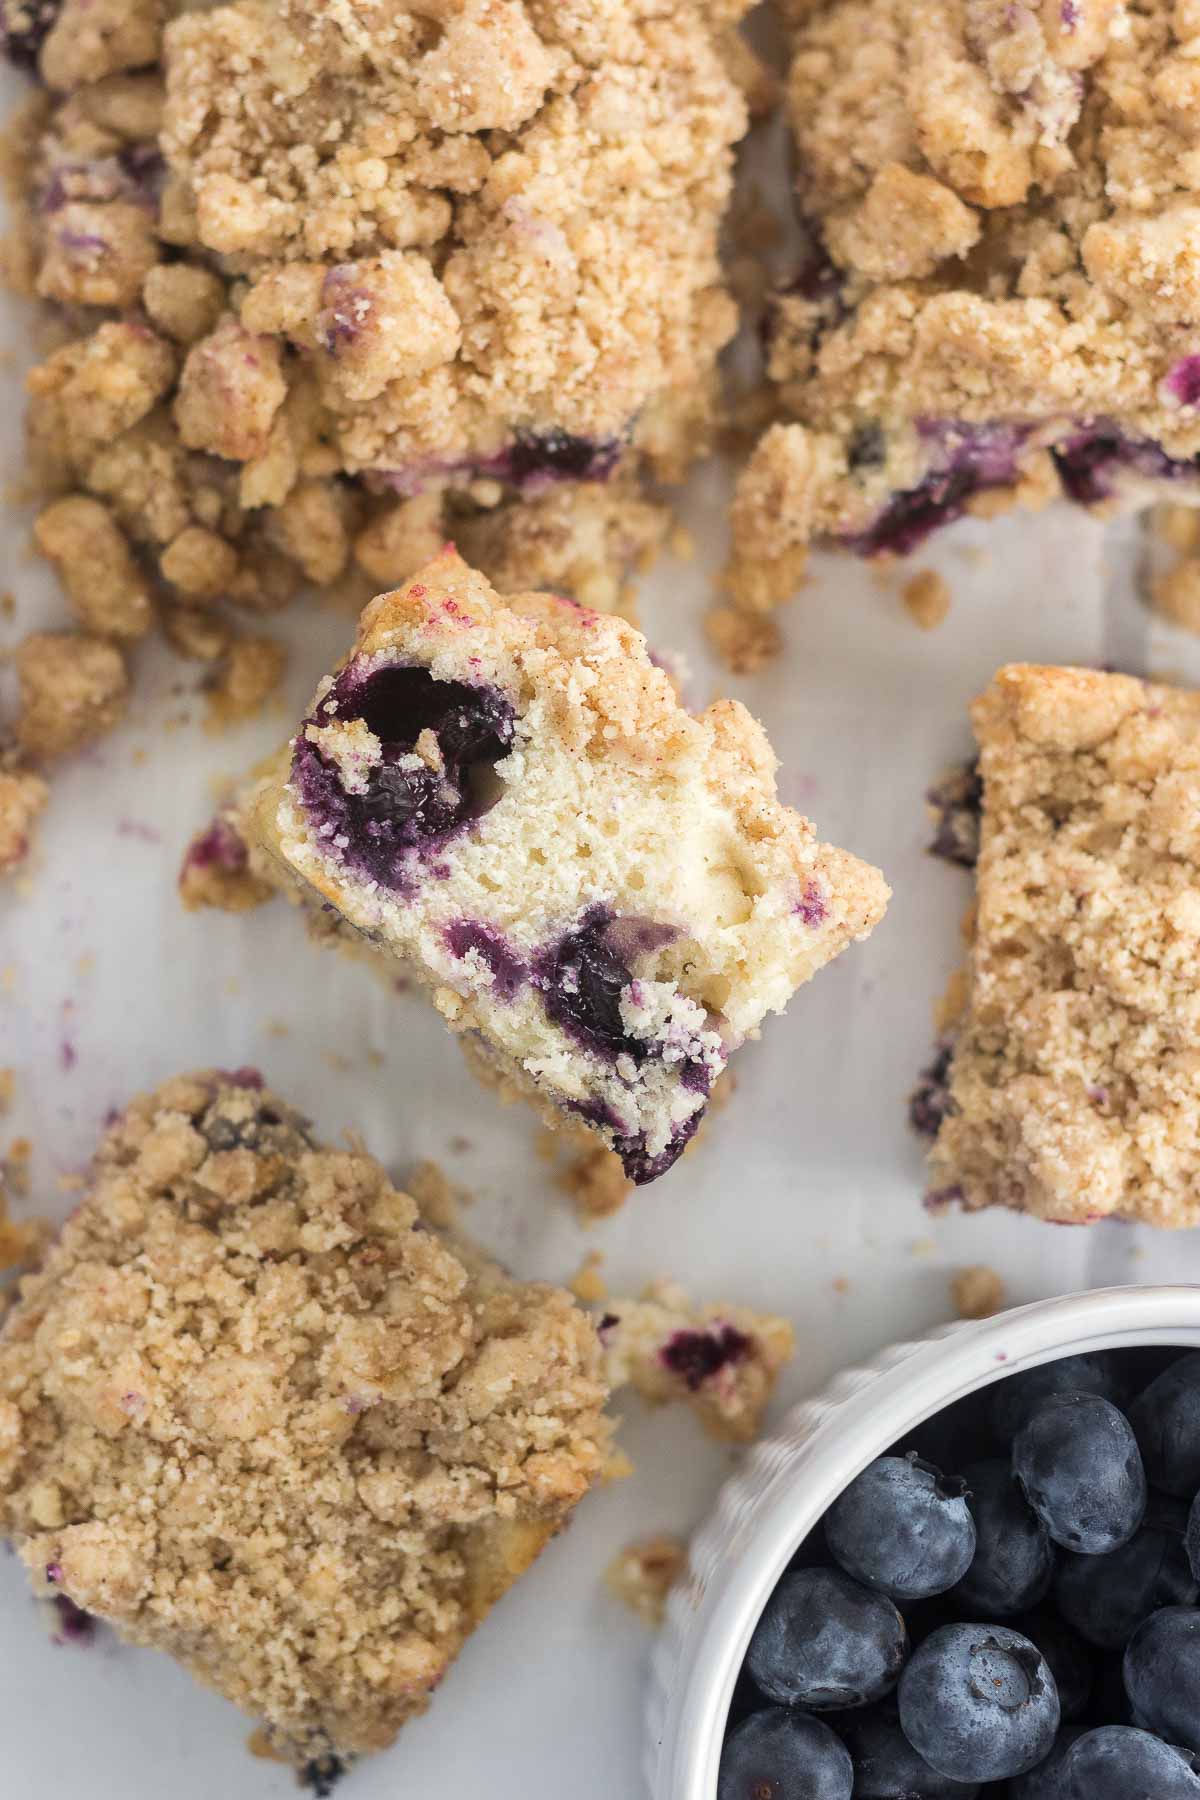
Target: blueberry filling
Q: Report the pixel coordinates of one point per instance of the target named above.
(74, 1625)
(930, 1102)
(534, 461)
(641, 1167)
(696, 1356)
(965, 460)
(24, 27)
(957, 800)
(583, 978)
(321, 1775)
(413, 798)
(1089, 462)
(467, 936)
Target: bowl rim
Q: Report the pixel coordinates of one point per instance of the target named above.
(758, 1522)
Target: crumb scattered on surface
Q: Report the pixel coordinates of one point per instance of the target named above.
(587, 1284)
(23, 796)
(251, 672)
(643, 1574)
(926, 597)
(978, 1292)
(72, 687)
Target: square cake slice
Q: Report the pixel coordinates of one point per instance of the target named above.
(257, 1413)
(602, 890)
(1074, 1066)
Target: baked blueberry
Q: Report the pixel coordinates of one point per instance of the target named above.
(1020, 1395)
(825, 1642)
(886, 1767)
(782, 1754)
(1014, 1558)
(1118, 1762)
(1166, 1420)
(903, 1527)
(583, 978)
(437, 741)
(1105, 1598)
(1162, 1674)
(1078, 1464)
(1072, 1662)
(979, 1702)
(1047, 1780)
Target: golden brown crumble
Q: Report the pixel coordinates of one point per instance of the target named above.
(926, 597)
(72, 688)
(978, 1292)
(1003, 204)
(302, 1442)
(249, 673)
(1071, 1090)
(23, 795)
(643, 1574)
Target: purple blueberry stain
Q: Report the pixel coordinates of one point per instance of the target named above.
(409, 802)
(930, 1102)
(696, 1356)
(54, 1572)
(345, 308)
(74, 1626)
(533, 462)
(467, 938)
(811, 909)
(218, 846)
(956, 800)
(1183, 381)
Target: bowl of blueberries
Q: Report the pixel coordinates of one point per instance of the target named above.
(970, 1569)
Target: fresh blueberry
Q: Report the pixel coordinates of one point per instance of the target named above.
(1077, 1461)
(1117, 1762)
(979, 1702)
(903, 1527)
(1192, 1538)
(825, 1642)
(24, 27)
(409, 799)
(781, 1754)
(1018, 1396)
(886, 1767)
(1166, 1420)
(1047, 1780)
(1072, 1663)
(1162, 1674)
(1014, 1558)
(1104, 1598)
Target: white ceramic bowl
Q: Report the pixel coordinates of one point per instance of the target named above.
(786, 1483)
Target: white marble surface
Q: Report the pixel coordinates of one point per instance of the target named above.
(805, 1198)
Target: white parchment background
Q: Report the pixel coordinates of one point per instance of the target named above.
(804, 1198)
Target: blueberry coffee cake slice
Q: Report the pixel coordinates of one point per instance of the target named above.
(1003, 293)
(1067, 1086)
(602, 890)
(256, 1412)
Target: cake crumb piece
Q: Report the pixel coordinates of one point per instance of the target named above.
(250, 674)
(721, 1360)
(745, 641)
(926, 597)
(217, 872)
(587, 1283)
(23, 795)
(978, 1292)
(437, 1197)
(596, 1181)
(73, 688)
(643, 1574)
(20, 1244)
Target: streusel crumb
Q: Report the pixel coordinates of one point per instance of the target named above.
(250, 672)
(302, 1441)
(643, 1574)
(1001, 298)
(72, 687)
(23, 795)
(723, 1361)
(926, 597)
(978, 1292)
(1070, 1084)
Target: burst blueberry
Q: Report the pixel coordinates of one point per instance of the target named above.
(1014, 1559)
(1162, 1674)
(979, 1703)
(1079, 1467)
(784, 1755)
(826, 1642)
(903, 1527)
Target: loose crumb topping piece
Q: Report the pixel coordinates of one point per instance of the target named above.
(643, 1574)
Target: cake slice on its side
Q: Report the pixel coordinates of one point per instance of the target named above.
(602, 890)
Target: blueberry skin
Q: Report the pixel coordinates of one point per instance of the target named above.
(1077, 1461)
(979, 1702)
(1014, 1558)
(784, 1755)
(1072, 1663)
(1118, 1762)
(825, 1642)
(1166, 1421)
(1104, 1598)
(1015, 1399)
(1162, 1674)
(1192, 1538)
(902, 1527)
(886, 1767)
(1047, 1780)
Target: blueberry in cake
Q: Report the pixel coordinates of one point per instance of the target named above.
(1065, 1088)
(1001, 300)
(601, 890)
(302, 1441)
